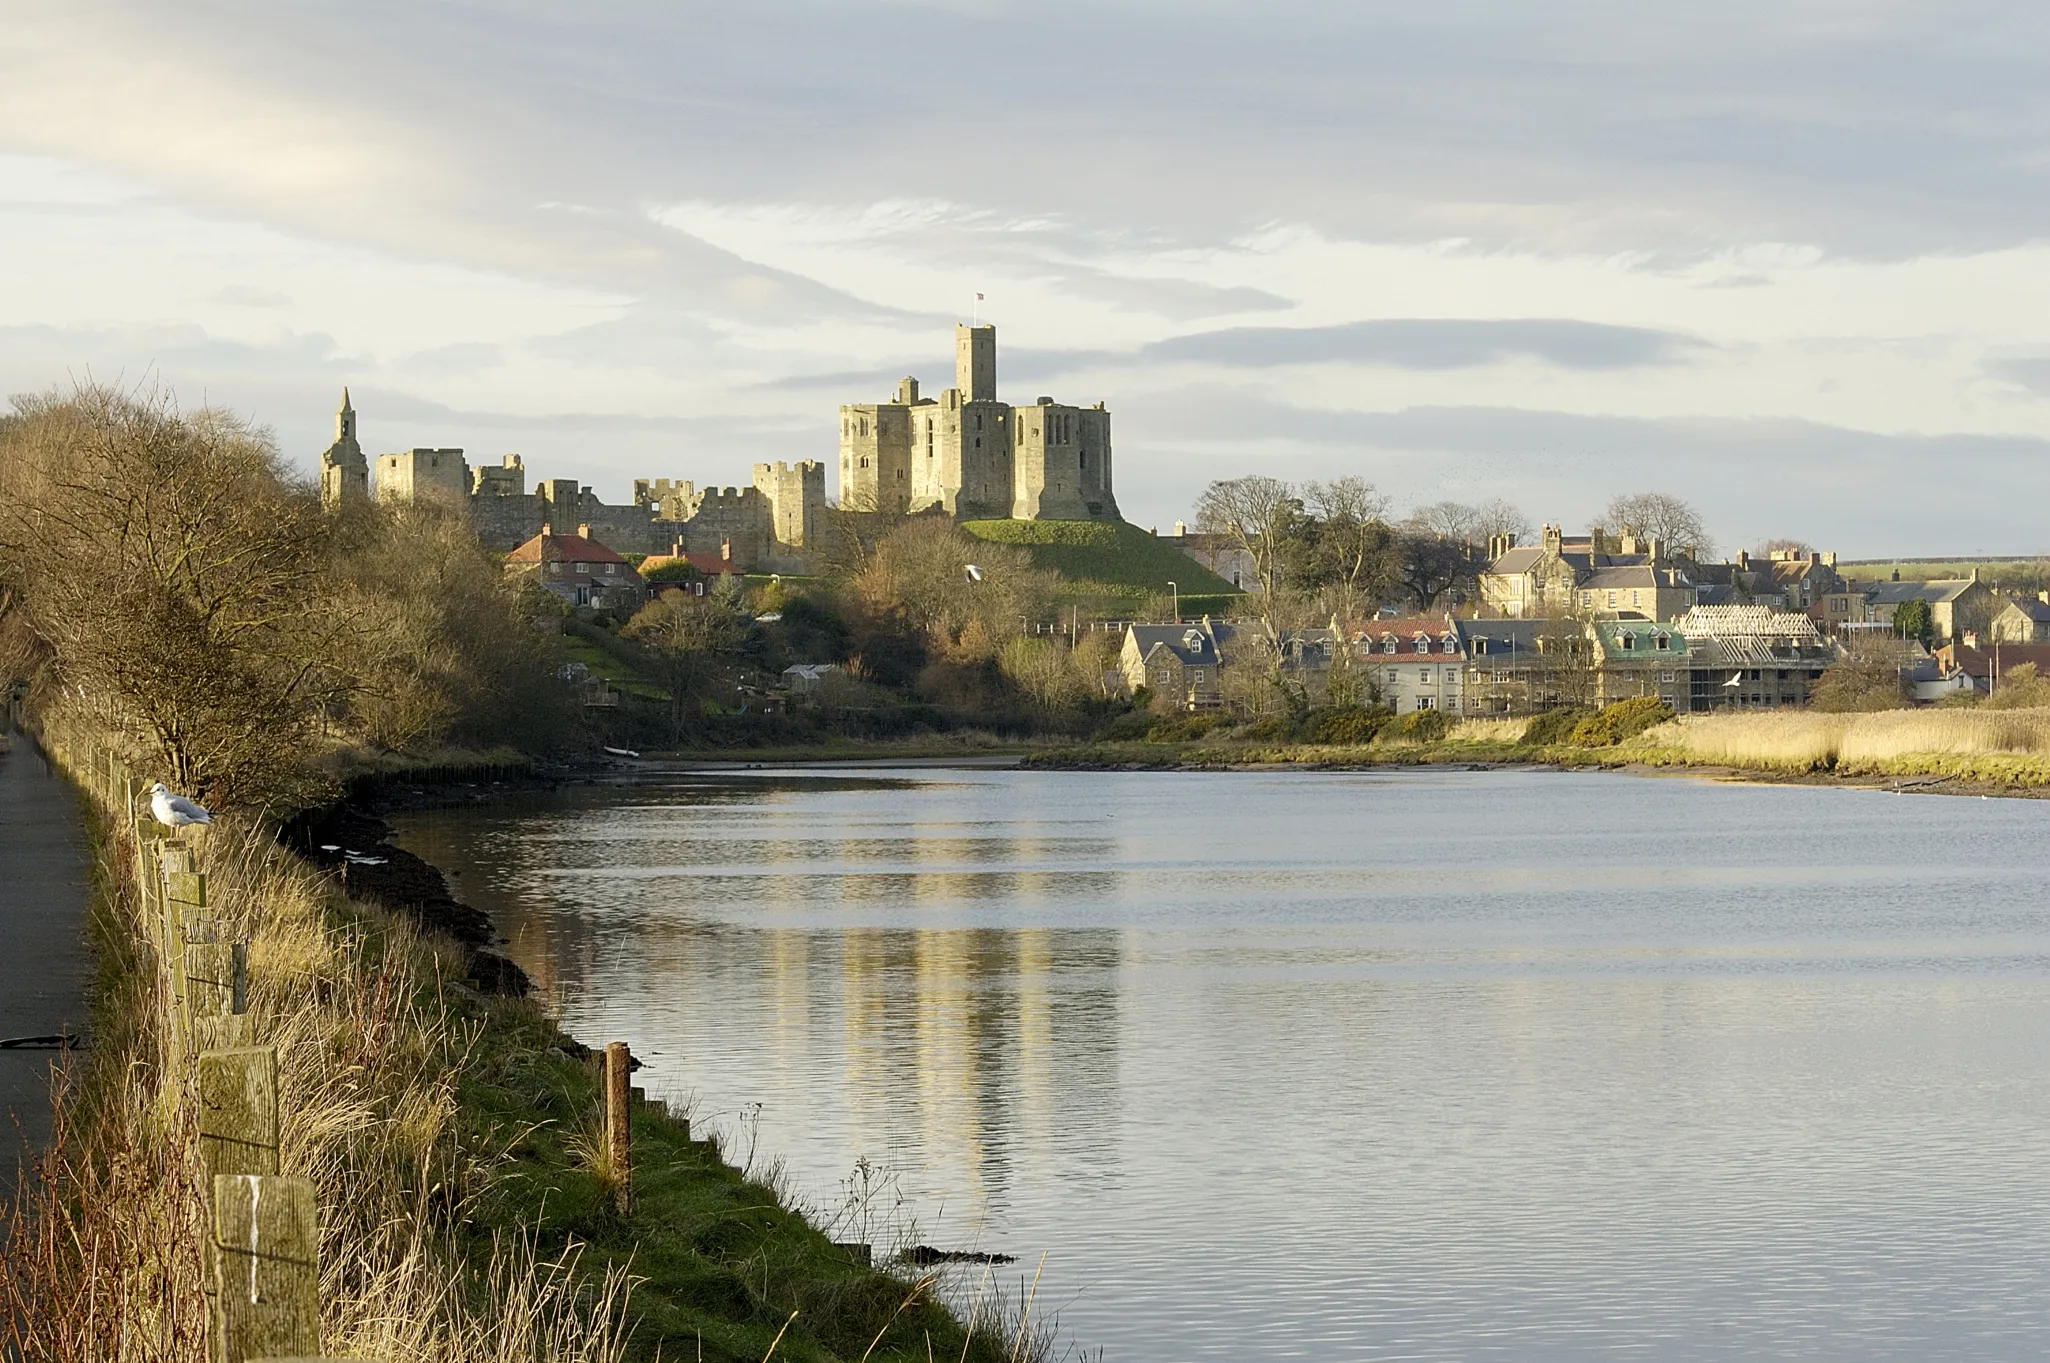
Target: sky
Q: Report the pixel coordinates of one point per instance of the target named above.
(1787, 260)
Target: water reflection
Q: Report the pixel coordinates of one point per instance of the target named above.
(1427, 1065)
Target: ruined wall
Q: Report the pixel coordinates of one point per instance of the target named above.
(796, 502)
(421, 475)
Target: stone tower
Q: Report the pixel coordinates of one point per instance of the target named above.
(973, 456)
(344, 473)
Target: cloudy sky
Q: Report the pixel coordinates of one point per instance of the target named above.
(1786, 259)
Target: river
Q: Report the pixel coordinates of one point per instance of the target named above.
(1395, 1065)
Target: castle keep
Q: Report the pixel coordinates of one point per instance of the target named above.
(773, 526)
(974, 456)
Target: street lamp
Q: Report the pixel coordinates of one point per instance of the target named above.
(1174, 594)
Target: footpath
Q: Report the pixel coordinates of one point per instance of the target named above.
(45, 964)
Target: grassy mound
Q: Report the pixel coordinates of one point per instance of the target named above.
(1109, 558)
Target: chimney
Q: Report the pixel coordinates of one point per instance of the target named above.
(1181, 528)
(1814, 557)
(1629, 545)
(1971, 638)
(1598, 541)
(547, 529)
(1553, 538)
(2043, 597)
(1896, 575)
(1829, 559)
(1651, 549)
(676, 549)
(584, 530)
(726, 551)
(1743, 561)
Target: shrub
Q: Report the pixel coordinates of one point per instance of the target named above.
(1553, 726)
(1344, 724)
(1183, 728)
(1269, 729)
(1127, 728)
(1625, 719)
(1425, 726)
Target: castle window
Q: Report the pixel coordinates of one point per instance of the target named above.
(1083, 458)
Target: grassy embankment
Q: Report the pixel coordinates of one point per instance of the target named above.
(451, 1136)
(1110, 568)
(2005, 748)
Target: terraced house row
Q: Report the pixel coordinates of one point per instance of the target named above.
(1711, 657)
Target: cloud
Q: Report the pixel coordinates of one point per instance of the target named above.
(1432, 343)
(250, 296)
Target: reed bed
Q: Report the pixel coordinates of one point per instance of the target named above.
(2003, 744)
(1506, 732)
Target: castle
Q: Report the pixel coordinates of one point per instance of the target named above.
(973, 456)
(773, 526)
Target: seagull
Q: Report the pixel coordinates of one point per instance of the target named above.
(975, 572)
(174, 811)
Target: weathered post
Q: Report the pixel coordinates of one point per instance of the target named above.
(266, 1268)
(619, 1121)
(238, 1110)
(216, 974)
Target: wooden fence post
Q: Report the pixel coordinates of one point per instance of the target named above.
(238, 1110)
(266, 1268)
(619, 1121)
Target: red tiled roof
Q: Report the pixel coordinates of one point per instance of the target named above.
(706, 562)
(553, 548)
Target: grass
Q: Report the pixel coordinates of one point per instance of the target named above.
(463, 1218)
(2007, 746)
(1112, 560)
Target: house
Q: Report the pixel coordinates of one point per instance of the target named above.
(1511, 666)
(1752, 657)
(1926, 681)
(1221, 554)
(1789, 579)
(578, 569)
(1412, 662)
(1619, 576)
(1178, 664)
(1635, 658)
(709, 567)
(1956, 604)
(2021, 620)
(1985, 664)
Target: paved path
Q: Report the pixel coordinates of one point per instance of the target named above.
(44, 963)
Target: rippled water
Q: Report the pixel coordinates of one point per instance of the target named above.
(1414, 1065)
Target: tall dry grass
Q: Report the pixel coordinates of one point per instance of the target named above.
(1887, 741)
(1507, 731)
(100, 1258)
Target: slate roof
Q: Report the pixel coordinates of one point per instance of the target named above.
(1935, 591)
(1195, 645)
(2038, 611)
(1500, 638)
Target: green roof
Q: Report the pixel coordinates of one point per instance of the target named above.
(1644, 634)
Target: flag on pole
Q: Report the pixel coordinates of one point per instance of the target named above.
(978, 298)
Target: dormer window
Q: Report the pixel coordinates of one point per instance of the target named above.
(1663, 642)
(1192, 640)
(1480, 645)
(1451, 643)
(1387, 643)
(1423, 643)
(1629, 643)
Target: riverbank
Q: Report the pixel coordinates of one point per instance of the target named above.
(449, 1129)
(1974, 752)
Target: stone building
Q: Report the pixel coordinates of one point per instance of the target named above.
(1598, 575)
(344, 473)
(2021, 620)
(1413, 662)
(578, 569)
(1179, 664)
(974, 456)
(773, 526)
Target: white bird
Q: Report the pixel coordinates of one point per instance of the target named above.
(174, 811)
(975, 572)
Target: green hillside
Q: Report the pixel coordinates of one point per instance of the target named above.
(1110, 559)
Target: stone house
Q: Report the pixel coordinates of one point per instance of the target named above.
(1752, 657)
(1221, 554)
(1179, 664)
(1511, 667)
(1638, 658)
(2021, 620)
(1599, 574)
(1412, 662)
(578, 569)
(1957, 605)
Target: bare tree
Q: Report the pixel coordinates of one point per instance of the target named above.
(687, 637)
(169, 564)
(1572, 664)
(1357, 555)
(1671, 520)
(919, 573)
(1257, 512)
(1448, 521)
(1498, 517)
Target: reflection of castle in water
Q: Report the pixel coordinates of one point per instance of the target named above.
(948, 1047)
